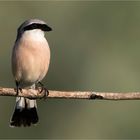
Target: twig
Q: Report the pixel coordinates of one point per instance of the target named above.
(36, 94)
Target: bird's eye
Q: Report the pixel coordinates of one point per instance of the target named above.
(43, 27)
(30, 27)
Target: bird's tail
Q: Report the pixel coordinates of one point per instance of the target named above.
(25, 113)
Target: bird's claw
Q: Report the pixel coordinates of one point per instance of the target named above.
(46, 92)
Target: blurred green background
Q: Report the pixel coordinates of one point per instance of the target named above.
(94, 46)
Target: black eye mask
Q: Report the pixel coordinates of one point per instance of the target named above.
(43, 27)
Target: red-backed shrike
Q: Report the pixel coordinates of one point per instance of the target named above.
(30, 63)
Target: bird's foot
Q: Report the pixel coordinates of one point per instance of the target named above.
(18, 88)
(43, 89)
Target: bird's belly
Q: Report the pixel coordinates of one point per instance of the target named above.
(31, 65)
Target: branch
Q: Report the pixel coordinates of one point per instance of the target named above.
(36, 94)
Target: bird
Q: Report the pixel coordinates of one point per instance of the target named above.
(30, 61)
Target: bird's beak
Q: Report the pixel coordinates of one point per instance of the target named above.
(47, 28)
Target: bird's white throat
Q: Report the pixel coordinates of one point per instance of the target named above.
(35, 34)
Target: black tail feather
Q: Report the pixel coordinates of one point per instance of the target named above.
(25, 117)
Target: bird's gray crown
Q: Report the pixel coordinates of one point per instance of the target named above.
(33, 24)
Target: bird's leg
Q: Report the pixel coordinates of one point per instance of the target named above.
(43, 88)
(18, 88)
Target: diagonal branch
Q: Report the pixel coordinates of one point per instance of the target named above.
(36, 94)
